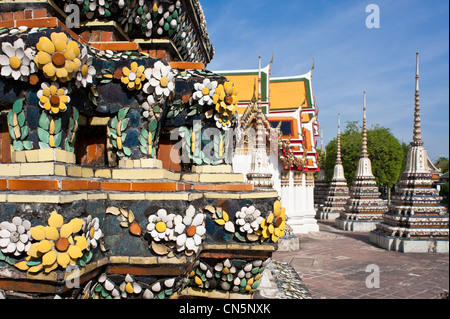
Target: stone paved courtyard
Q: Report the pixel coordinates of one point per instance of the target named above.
(332, 264)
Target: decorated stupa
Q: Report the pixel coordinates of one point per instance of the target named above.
(338, 191)
(364, 208)
(115, 170)
(416, 221)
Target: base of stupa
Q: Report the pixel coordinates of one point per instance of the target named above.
(408, 245)
(327, 215)
(356, 225)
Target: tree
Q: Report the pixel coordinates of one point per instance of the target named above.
(442, 164)
(385, 152)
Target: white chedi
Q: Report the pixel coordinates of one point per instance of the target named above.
(190, 230)
(249, 219)
(15, 237)
(205, 91)
(17, 62)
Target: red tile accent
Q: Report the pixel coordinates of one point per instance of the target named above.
(39, 13)
(73, 185)
(19, 15)
(95, 36)
(106, 36)
(234, 187)
(187, 65)
(7, 24)
(116, 46)
(116, 186)
(8, 16)
(34, 23)
(204, 187)
(153, 187)
(33, 184)
(3, 184)
(5, 142)
(28, 14)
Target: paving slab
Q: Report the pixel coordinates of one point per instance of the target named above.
(336, 264)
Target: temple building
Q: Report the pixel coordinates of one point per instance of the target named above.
(416, 221)
(364, 208)
(321, 182)
(338, 192)
(116, 159)
(285, 111)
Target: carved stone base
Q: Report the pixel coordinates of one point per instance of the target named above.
(409, 245)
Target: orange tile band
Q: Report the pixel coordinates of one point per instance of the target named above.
(85, 185)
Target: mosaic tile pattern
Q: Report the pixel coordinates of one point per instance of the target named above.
(289, 282)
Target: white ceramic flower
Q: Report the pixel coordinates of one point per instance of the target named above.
(161, 226)
(249, 219)
(161, 82)
(15, 237)
(87, 71)
(129, 286)
(17, 62)
(92, 231)
(190, 230)
(205, 91)
(222, 122)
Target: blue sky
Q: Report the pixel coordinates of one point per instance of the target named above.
(349, 57)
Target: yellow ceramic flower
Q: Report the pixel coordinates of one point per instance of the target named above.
(134, 76)
(56, 245)
(58, 57)
(53, 98)
(273, 226)
(226, 101)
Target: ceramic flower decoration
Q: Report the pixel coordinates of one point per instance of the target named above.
(249, 219)
(129, 286)
(273, 226)
(205, 91)
(58, 57)
(225, 100)
(190, 230)
(87, 71)
(17, 61)
(53, 98)
(56, 245)
(133, 76)
(160, 83)
(161, 226)
(15, 237)
(92, 231)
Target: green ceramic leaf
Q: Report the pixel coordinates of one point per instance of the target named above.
(143, 149)
(123, 113)
(58, 125)
(11, 132)
(152, 125)
(17, 145)
(124, 124)
(58, 138)
(127, 151)
(17, 106)
(43, 145)
(43, 135)
(114, 143)
(144, 133)
(32, 263)
(24, 132)
(28, 145)
(142, 140)
(114, 122)
(10, 118)
(239, 236)
(21, 118)
(44, 121)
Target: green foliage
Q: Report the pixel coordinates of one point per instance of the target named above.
(442, 163)
(385, 152)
